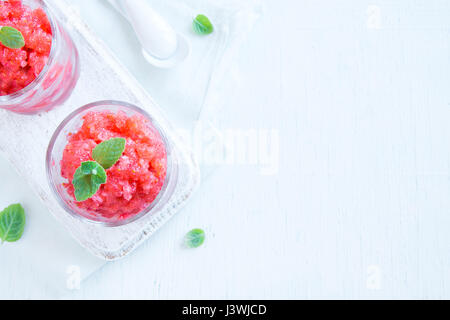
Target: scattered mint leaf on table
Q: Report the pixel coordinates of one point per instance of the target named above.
(109, 152)
(87, 180)
(202, 25)
(11, 37)
(12, 223)
(195, 238)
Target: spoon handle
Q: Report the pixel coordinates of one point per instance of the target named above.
(161, 45)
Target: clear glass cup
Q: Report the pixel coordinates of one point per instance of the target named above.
(55, 154)
(58, 78)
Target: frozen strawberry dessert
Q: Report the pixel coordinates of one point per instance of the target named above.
(135, 180)
(19, 67)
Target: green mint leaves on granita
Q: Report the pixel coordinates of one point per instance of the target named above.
(12, 223)
(89, 177)
(109, 152)
(87, 180)
(11, 38)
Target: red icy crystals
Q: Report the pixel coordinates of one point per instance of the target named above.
(19, 67)
(135, 180)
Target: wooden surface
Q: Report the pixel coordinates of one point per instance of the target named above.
(358, 94)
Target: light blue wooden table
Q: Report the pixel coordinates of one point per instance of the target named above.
(357, 93)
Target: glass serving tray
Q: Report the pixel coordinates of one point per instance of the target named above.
(24, 141)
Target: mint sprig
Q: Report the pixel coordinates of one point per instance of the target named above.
(202, 25)
(12, 223)
(109, 152)
(87, 180)
(89, 177)
(11, 37)
(194, 238)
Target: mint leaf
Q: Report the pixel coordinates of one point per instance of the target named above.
(195, 238)
(109, 152)
(11, 37)
(87, 180)
(202, 25)
(12, 223)
(91, 174)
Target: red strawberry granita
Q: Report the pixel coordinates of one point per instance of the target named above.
(19, 67)
(135, 181)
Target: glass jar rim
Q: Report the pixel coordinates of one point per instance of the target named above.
(32, 85)
(171, 171)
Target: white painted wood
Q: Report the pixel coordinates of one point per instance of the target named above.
(41, 263)
(360, 206)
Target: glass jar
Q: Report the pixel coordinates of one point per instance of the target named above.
(57, 79)
(59, 142)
